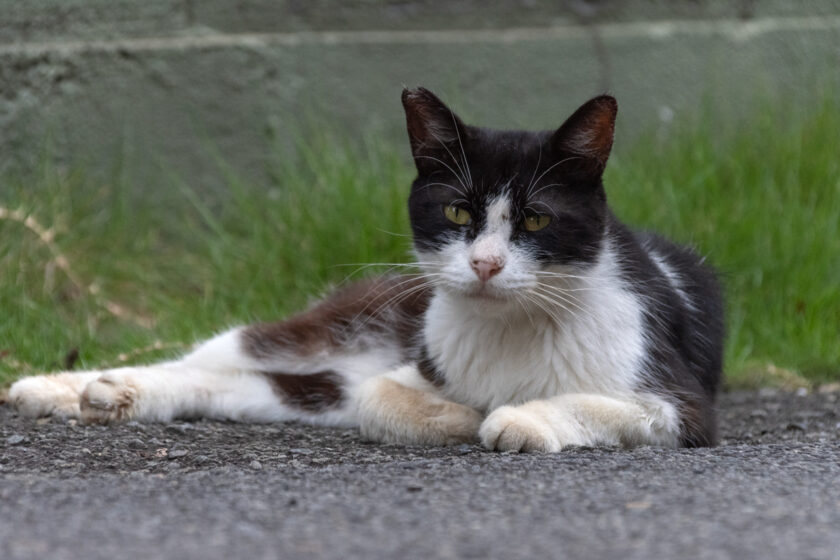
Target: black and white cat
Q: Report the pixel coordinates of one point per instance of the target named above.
(539, 321)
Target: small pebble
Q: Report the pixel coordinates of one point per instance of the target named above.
(15, 439)
(178, 428)
(464, 448)
(301, 451)
(256, 465)
(175, 453)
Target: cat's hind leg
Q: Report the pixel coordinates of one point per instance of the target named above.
(50, 395)
(217, 380)
(221, 380)
(307, 367)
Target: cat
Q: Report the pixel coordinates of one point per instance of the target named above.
(538, 320)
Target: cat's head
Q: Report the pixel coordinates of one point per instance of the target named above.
(495, 212)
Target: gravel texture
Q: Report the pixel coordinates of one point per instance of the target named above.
(222, 490)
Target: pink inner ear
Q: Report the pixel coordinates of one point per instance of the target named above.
(597, 138)
(589, 132)
(430, 122)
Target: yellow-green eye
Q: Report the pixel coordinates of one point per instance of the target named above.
(536, 222)
(457, 215)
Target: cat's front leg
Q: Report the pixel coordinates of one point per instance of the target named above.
(581, 419)
(403, 408)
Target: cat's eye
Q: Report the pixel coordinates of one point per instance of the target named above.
(536, 222)
(457, 215)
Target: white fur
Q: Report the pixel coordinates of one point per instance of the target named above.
(217, 380)
(552, 360)
(552, 341)
(596, 345)
(673, 278)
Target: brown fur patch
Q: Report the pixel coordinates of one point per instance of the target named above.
(387, 305)
(313, 392)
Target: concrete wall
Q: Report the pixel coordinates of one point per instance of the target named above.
(165, 82)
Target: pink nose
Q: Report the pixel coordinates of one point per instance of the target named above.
(486, 269)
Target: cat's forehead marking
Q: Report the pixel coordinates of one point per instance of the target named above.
(498, 213)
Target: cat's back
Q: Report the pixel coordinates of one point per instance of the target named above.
(684, 301)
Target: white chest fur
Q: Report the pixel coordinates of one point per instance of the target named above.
(490, 360)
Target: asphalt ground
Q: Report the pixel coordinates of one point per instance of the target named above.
(223, 490)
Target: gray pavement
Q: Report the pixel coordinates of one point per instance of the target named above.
(221, 490)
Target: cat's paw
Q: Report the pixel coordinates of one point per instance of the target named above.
(516, 428)
(45, 395)
(110, 398)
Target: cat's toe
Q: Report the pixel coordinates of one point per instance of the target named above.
(512, 429)
(107, 399)
(44, 395)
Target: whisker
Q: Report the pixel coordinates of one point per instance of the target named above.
(553, 166)
(443, 163)
(391, 301)
(536, 168)
(454, 188)
(569, 298)
(461, 145)
(519, 296)
(558, 298)
(542, 188)
(554, 303)
(550, 209)
(461, 169)
(543, 307)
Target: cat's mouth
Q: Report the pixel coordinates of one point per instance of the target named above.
(486, 293)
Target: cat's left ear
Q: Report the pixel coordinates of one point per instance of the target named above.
(433, 130)
(586, 137)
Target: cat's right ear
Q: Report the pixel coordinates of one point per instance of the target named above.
(436, 133)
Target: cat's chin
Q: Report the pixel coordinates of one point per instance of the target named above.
(487, 299)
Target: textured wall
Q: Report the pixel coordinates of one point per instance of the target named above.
(169, 82)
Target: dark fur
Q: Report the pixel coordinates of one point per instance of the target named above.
(686, 343)
(686, 349)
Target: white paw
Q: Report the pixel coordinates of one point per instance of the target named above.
(510, 428)
(110, 398)
(45, 395)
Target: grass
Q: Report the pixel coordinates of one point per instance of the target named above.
(762, 200)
